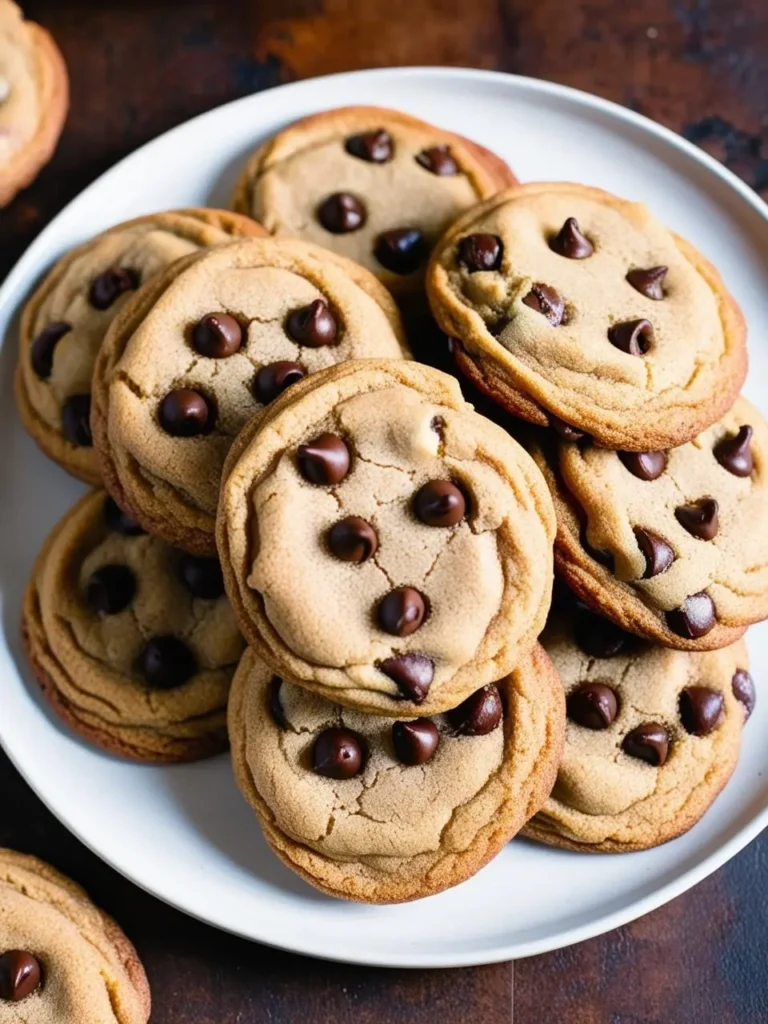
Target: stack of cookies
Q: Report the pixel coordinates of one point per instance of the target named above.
(309, 545)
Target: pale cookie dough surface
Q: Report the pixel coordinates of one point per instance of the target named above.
(90, 972)
(393, 832)
(608, 801)
(697, 358)
(486, 580)
(87, 660)
(141, 248)
(34, 94)
(288, 178)
(171, 483)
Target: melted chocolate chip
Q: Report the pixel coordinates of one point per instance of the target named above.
(110, 589)
(479, 714)
(438, 160)
(701, 710)
(634, 337)
(547, 301)
(42, 348)
(597, 636)
(217, 336)
(402, 611)
(415, 742)
(593, 706)
(166, 662)
(439, 503)
(649, 742)
(412, 673)
(324, 460)
(201, 576)
(341, 213)
(275, 704)
(644, 465)
(481, 252)
(120, 521)
(565, 430)
(695, 618)
(20, 975)
(76, 420)
(274, 378)
(700, 519)
(353, 540)
(743, 687)
(658, 552)
(374, 147)
(650, 282)
(401, 251)
(570, 242)
(338, 753)
(109, 286)
(313, 325)
(735, 453)
(185, 413)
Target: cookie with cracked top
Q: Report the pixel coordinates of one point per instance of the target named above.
(571, 306)
(379, 810)
(404, 553)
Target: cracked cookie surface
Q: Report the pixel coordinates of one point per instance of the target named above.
(62, 960)
(572, 305)
(421, 807)
(204, 347)
(133, 642)
(381, 542)
(652, 735)
(65, 321)
(375, 185)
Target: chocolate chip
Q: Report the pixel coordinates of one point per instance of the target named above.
(120, 521)
(437, 423)
(438, 160)
(649, 742)
(593, 705)
(649, 282)
(645, 465)
(76, 420)
(565, 430)
(313, 325)
(439, 503)
(374, 147)
(166, 662)
(743, 687)
(185, 413)
(695, 618)
(481, 252)
(341, 213)
(413, 674)
(109, 286)
(42, 348)
(479, 714)
(657, 551)
(217, 336)
(324, 460)
(570, 242)
(401, 251)
(338, 753)
(547, 301)
(597, 636)
(701, 709)
(700, 519)
(20, 975)
(274, 378)
(275, 704)
(201, 576)
(633, 336)
(401, 612)
(353, 540)
(110, 589)
(735, 453)
(415, 742)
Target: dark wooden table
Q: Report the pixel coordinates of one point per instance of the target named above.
(140, 67)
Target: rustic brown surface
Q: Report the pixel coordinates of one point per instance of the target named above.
(698, 66)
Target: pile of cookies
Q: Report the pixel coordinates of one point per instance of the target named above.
(309, 545)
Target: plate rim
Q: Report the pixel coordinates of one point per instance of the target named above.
(30, 264)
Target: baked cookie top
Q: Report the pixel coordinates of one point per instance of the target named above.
(382, 543)
(62, 961)
(375, 185)
(580, 306)
(378, 810)
(205, 346)
(34, 94)
(668, 543)
(652, 735)
(134, 642)
(64, 323)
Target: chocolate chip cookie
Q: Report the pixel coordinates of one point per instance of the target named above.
(375, 185)
(62, 960)
(381, 810)
(383, 544)
(34, 96)
(652, 736)
(669, 544)
(574, 308)
(203, 347)
(64, 323)
(133, 642)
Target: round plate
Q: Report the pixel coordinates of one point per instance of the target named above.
(183, 833)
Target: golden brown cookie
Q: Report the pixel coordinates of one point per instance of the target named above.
(373, 184)
(133, 642)
(65, 321)
(383, 544)
(34, 96)
(652, 736)
(668, 544)
(202, 348)
(62, 960)
(382, 811)
(572, 306)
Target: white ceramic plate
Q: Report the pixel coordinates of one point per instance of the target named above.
(183, 833)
